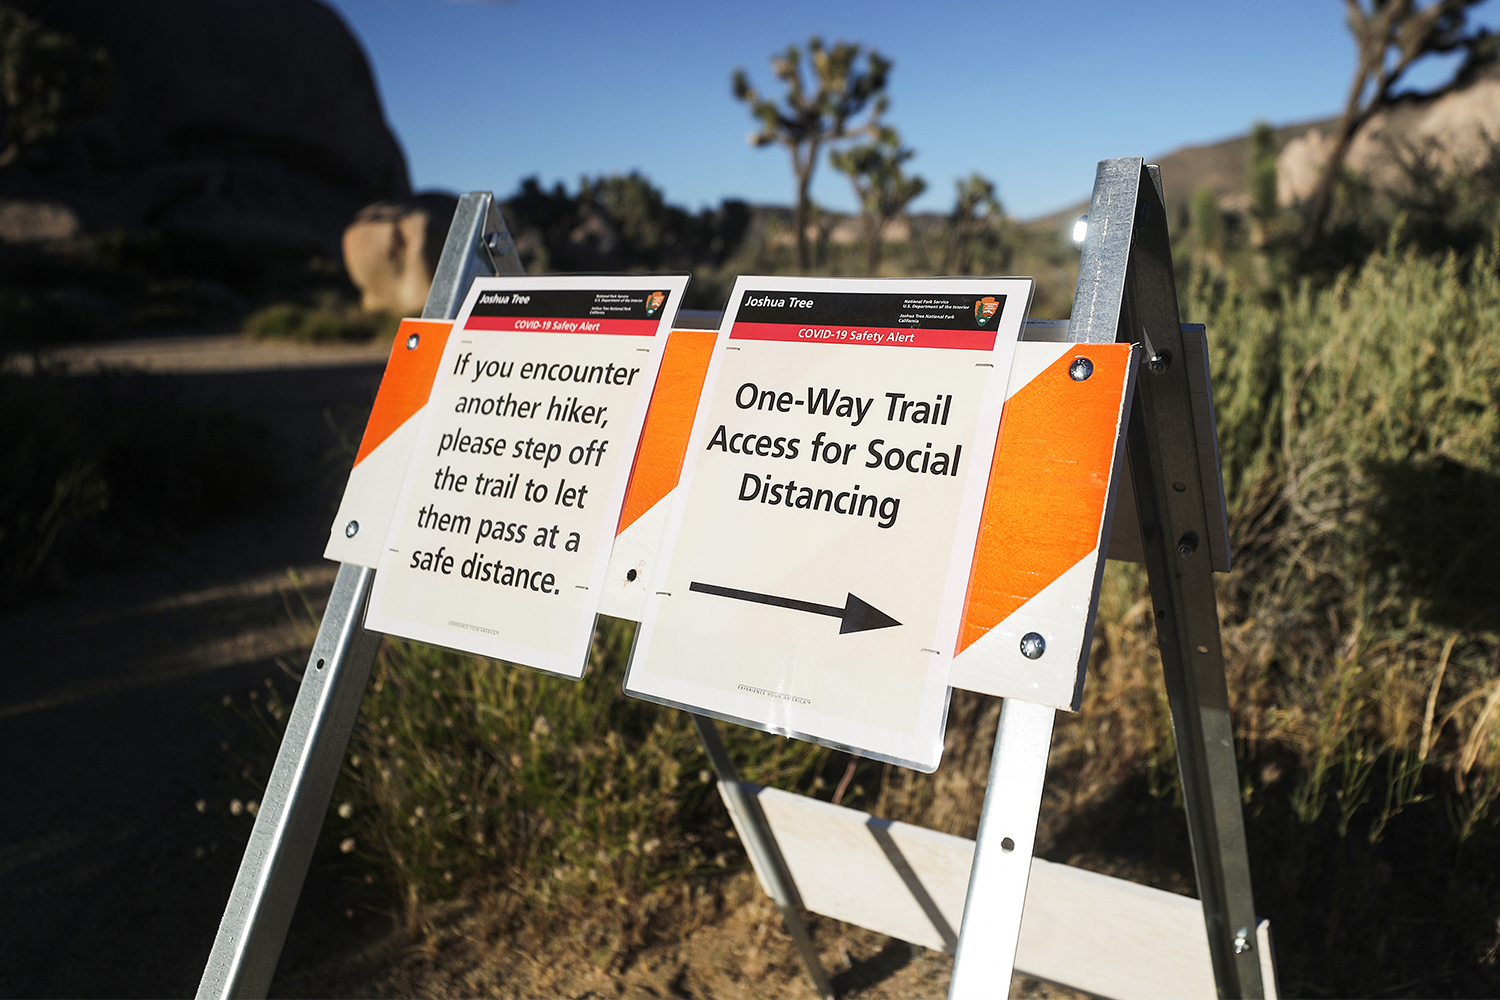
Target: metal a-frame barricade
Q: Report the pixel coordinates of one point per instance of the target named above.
(1125, 285)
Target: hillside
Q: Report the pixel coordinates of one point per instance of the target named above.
(1222, 167)
(1454, 131)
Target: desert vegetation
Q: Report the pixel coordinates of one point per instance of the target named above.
(104, 473)
(1358, 427)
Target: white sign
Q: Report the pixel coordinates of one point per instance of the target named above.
(502, 533)
(814, 570)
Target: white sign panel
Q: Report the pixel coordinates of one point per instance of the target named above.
(813, 574)
(502, 533)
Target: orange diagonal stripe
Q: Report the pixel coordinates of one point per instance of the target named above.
(669, 421)
(1048, 485)
(407, 381)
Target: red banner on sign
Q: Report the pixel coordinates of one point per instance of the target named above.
(869, 336)
(543, 324)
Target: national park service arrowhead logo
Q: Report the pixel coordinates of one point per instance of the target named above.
(654, 302)
(985, 310)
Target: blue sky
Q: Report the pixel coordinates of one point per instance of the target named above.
(482, 94)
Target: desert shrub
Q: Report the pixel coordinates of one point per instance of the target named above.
(1360, 437)
(101, 473)
(621, 222)
(1361, 451)
(467, 774)
(1362, 459)
(322, 323)
(1360, 441)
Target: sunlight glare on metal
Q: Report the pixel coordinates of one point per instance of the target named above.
(1080, 229)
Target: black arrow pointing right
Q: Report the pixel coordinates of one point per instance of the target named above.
(855, 616)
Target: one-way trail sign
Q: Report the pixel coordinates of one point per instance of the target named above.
(842, 439)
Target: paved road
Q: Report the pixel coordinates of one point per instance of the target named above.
(112, 723)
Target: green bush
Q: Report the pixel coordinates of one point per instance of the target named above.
(1361, 439)
(319, 324)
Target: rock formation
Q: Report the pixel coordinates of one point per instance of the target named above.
(1455, 132)
(249, 122)
(391, 250)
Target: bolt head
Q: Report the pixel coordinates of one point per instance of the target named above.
(351, 529)
(412, 342)
(1080, 369)
(1033, 646)
(1241, 944)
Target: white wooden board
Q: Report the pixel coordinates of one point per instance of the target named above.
(1105, 936)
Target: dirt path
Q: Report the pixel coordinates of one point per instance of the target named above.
(118, 843)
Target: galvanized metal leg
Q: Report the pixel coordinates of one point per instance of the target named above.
(986, 954)
(750, 821)
(478, 246)
(286, 827)
(1187, 628)
(1126, 291)
(281, 845)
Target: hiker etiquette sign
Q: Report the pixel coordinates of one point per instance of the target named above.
(812, 576)
(503, 527)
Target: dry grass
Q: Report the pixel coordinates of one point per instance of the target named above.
(469, 776)
(1362, 443)
(325, 320)
(1361, 439)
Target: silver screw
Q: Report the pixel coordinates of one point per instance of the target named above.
(1033, 646)
(351, 529)
(1080, 369)
(1241, 943)
(1187, 544)
(1159, 363)
(412, 341)
(497, 244)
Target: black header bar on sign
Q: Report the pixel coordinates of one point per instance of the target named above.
(924, 310)
(574, 303)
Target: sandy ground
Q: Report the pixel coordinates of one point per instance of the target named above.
(112, 723)
(127, 788)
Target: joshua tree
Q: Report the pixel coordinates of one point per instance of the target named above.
(822, 222)
(1390, 35)
(883, 189)
(814, 118)
(975, 227)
